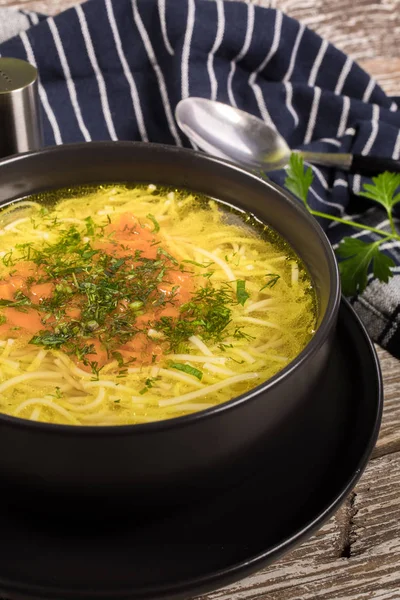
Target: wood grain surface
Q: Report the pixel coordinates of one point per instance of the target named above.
(356, 555)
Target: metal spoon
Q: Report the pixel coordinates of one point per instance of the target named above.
(230, 133)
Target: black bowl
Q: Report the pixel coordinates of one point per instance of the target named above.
(177, 459)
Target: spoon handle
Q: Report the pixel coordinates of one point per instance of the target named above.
(328, 159)
(373, 165)
(354, 163)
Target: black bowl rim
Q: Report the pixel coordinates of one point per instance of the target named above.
(321, 335)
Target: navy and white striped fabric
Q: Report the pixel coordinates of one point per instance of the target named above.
(115, 69)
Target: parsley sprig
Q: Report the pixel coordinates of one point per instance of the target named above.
(357, 257)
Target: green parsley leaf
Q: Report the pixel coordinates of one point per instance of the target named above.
(298, 179)
(383, 190)
(186, 369)
(155, 222)
(358, 257)
(241, 294)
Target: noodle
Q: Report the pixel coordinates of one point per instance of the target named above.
(123, 305)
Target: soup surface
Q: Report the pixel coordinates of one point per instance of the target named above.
(127, 305)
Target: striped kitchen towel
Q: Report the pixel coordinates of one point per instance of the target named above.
(115, 69)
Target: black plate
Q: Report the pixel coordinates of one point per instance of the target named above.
(209, 545)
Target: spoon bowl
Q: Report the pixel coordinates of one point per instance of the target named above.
(230, 133)
(227, 132)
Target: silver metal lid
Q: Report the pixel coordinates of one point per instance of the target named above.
(20, 120)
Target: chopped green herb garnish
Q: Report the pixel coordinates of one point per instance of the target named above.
(49, 339)
(197, 264)
(155, 223)
(90, 227)
(241, 294)
(273, 278)
(208, 314)
(187, 369)
(239, 334)
(148, 385)
(162, 252)
(8, 259)
(20, 301)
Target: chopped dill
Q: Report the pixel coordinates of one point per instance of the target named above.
(155, 223)
(207, 314)
(239, 334)
(197, 264)
(273, 278)
(148, 384)
(186, 369)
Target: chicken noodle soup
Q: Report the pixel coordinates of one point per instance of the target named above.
(127, 305)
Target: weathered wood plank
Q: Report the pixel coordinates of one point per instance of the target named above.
(389, 438)
(47, 7)
(362, 28)
(369, 567)
(386, 72)
(375, 531)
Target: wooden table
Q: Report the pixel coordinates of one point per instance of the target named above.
(356, 555)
